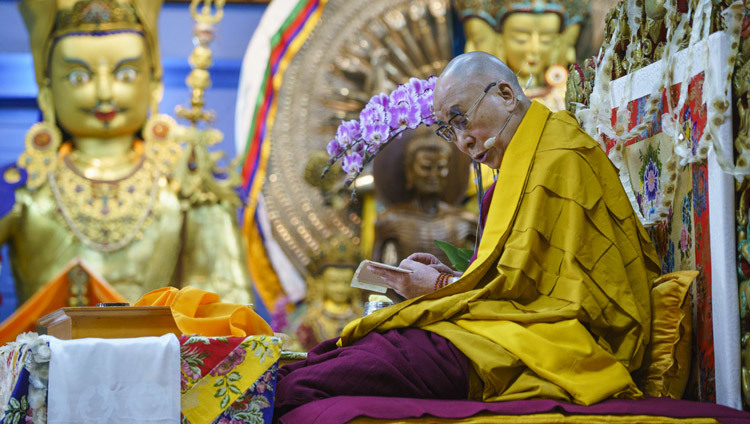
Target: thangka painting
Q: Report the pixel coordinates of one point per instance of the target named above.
(670, 190)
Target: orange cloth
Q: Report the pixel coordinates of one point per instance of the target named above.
(200, 312)
(51, 297)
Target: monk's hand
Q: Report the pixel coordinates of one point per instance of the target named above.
(409, 285)
(434, 262)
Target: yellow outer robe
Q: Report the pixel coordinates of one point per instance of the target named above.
(557, 304)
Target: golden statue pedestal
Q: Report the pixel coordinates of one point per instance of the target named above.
(112, 322)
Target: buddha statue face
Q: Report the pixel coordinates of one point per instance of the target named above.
(428, 171)
(530, 39)
(335, 284)
(101, 84)
(535, 38)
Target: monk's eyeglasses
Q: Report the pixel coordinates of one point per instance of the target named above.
(459, 121)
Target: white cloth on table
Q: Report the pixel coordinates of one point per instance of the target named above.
(133, 380)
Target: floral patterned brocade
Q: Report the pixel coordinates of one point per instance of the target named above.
(24, 371)
(682, 238)
(17, 408)
(222, 372)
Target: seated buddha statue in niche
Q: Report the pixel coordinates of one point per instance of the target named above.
(98, 180)
(330, 305)
(420, 181)
(535, 38)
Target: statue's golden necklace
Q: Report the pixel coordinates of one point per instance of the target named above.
(106, 215)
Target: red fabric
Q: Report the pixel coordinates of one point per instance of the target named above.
(345, 408)
(484, 211)
(398, 363)
(211, 350)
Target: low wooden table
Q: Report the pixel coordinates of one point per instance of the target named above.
(111, 322)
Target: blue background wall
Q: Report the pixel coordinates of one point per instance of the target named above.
(18, 90)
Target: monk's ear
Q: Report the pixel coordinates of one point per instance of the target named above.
(509, 95)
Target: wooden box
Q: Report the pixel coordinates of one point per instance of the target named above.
(112, 322)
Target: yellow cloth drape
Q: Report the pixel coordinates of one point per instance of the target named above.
(556, 304)
(200, 312)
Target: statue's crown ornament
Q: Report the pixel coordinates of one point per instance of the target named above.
(49, 20)
(495, 12)
(96, 15)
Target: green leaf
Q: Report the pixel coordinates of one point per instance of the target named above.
(260, 401)
(234, 376)
(221, 392)
(24, 403)
(235, 390)
(195, 369)
(197, 339)
(225, 402)
(14, 403)
(219, 382)
(459, 257)
(242, 415)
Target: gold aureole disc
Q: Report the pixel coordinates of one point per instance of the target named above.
(358, 49)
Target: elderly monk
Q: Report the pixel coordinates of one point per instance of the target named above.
(556, 303)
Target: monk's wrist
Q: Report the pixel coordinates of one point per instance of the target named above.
(443, 280)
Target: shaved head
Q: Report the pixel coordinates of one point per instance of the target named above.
(479, 105)
(480, 65)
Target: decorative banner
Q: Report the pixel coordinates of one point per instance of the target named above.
(283, 46)
(681, 239)
(688, 209)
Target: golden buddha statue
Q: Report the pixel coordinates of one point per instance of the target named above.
(535, 38)
(331, 302)
(420, 206)
(103, 179)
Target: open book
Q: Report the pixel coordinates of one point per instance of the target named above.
(364, 279)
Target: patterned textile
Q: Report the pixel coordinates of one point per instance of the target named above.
(24, 367)
(225, 380)
(17, 408)
(682, 239)
(15, 396)
(228, 380)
